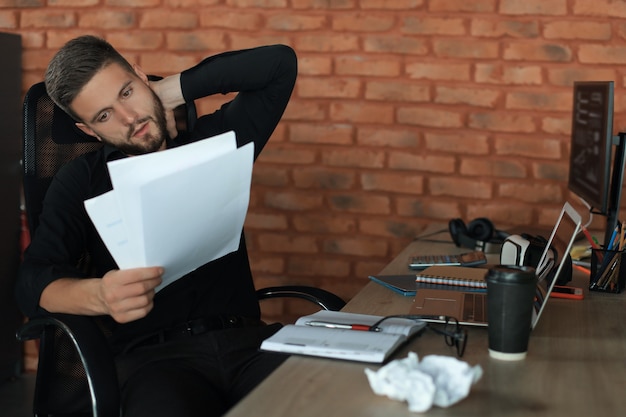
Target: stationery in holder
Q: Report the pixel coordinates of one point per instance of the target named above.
(454, 275)
(339, 335)
(608, 270)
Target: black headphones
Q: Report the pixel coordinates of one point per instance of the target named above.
(479, 235)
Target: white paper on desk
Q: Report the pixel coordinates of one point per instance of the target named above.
(178, 208)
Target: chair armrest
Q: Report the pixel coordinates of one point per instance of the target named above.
(91, 347)
(323, 298)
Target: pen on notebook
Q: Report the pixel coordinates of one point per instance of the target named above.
(362, 327)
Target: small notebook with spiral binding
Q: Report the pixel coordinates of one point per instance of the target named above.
(453, 275)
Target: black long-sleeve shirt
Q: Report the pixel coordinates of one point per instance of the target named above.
(263, 78)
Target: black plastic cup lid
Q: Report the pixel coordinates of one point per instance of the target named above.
(511, 274)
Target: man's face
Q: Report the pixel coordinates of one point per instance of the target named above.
(120, 108)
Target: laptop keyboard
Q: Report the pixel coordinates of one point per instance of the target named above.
(475, 307)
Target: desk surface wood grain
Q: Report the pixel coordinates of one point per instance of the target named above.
(576, 363)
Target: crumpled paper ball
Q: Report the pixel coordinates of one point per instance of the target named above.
(439, 380)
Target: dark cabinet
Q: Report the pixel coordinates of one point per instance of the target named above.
(10, 184)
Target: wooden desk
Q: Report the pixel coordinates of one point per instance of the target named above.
(576, 364)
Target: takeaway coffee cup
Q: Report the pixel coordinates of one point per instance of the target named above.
(510, 296)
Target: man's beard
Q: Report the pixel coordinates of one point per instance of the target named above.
(150, 142)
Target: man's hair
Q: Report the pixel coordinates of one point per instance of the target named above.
(75, 64)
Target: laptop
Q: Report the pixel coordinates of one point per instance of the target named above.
(470, 308)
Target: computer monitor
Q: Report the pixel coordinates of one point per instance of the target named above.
(592, 142)
(592, 134)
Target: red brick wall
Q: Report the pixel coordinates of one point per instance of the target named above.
(405, 113)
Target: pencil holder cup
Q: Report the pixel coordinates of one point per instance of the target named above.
(608, 270)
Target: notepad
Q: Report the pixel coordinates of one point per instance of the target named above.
(302, 338)
(453, 275)
(407, 286)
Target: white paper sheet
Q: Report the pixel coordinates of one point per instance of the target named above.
(106, 216)
(179, 208)
(128, 174)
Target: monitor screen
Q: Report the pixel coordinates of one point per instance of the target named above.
(592, 133)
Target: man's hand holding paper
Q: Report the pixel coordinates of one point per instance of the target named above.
(128, 294)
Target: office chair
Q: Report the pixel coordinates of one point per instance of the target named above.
(76, 375)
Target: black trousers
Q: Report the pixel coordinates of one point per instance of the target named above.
(199, 376)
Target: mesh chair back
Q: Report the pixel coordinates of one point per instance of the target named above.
(50, 140)
(61, 382)
(61, 387)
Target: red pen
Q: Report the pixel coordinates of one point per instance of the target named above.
(589, 238)
(361, 327)
(592, 242)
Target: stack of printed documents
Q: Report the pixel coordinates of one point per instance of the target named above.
(179, 208)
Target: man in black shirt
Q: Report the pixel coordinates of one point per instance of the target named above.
(192, 348)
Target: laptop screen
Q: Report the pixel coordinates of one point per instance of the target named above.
(554, 256)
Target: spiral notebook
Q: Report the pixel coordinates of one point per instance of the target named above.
(461, 276)
(407, 286)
